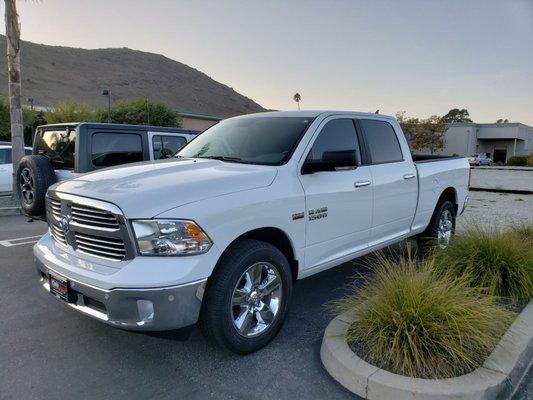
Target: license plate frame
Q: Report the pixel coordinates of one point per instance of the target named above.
(59, 287)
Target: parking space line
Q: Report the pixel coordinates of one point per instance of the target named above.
(20, 241)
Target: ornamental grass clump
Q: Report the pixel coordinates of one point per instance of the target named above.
(500, 262)
(412, 320)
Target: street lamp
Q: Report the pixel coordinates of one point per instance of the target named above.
(107, 92)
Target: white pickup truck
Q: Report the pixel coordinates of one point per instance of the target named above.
(220, 233)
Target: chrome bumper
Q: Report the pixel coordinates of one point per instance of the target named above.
(146, 309)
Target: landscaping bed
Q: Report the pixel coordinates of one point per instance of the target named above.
(439, 326)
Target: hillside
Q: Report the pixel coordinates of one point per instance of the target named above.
(51, 74)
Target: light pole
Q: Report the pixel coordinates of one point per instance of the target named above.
(107, 92)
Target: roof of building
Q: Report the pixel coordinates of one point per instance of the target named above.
(491, 125)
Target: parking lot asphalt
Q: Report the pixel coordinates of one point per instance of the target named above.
(49, 351)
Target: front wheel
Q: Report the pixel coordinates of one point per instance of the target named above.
(441, 228)
(247, 297)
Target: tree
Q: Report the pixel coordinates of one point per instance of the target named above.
(143, 112)
(13, 68)
(423, 133)
(430, 134)
(297, 97)
(32, 119)
(70, 111)
(456, 115)
(502, 121)
(5, 123)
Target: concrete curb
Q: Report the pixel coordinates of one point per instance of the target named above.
(499, 377)
(9, 211)
(510, 191)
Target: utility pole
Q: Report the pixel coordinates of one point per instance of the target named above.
(107, 92)
(148, 111)
(13, 68)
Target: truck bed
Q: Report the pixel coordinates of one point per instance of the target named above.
(433, 178)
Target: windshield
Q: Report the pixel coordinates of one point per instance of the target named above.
(251, 140)
(58, 146)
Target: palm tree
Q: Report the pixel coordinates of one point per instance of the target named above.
(297, 99)
(13, 67)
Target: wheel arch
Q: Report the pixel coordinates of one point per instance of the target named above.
(277, 238)
(450, 194)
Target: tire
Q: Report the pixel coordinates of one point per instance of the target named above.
(430, 237)
(34, 176)
(219, 320)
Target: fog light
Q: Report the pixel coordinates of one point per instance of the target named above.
(146, 311)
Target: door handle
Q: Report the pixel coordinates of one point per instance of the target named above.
(359, 184)
(409, 176)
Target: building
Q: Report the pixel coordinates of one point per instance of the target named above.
(197, 122)
(499, 141)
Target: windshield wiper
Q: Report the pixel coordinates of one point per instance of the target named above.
(228, 159)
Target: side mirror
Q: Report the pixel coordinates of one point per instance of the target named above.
(331, 161)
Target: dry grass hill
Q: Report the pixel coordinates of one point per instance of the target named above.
(52, 74)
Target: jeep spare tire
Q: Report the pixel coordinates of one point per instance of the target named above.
(34, 176)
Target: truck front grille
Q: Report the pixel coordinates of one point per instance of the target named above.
(90, 216)
(89, 226)
(100, 246)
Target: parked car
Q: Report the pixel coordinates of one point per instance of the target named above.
(221, 232)
(64, 151)
(479, 159)
(6, 167)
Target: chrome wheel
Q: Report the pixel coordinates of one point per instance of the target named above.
(256, 299)
(27, 186)
(445, 229)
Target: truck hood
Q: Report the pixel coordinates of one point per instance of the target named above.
(144, 190)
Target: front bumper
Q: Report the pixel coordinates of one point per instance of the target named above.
(146, 309)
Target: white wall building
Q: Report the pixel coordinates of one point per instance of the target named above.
(500, 141)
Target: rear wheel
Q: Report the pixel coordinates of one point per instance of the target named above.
(247, 298)
(441, 228)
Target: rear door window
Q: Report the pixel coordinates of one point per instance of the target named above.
(58, 146)
(382, 141)
(110, 149)
(166, 146)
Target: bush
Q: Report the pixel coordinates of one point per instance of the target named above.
(499, 262)
(142, 112)
(530, 160)
(517, 161)
(413, 321)
(70, 111)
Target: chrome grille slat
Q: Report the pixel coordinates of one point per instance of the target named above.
(104, 218)
(92, 252)
(81, 242)
(89, 209)
(113, 241)
(87, 229)
(58, 234)
(86, 221)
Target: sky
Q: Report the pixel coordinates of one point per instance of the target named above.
(419, 56)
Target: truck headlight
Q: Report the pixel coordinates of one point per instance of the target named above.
(160, 237)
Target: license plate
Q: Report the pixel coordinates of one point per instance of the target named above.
(59, 287)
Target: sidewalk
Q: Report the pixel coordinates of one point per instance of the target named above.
(508, 179)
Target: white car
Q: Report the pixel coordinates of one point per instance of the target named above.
(220, 233)
(479, 159)
(6, 167)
